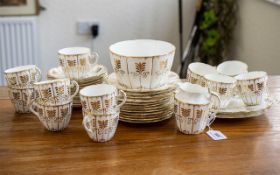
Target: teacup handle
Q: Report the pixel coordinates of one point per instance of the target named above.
(215, 102)
(123, 99)
(211, 118)
(93, 58)
(74, 83)
(38, 71)
(87, 123)
(30, 106)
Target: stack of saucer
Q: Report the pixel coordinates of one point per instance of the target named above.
(96, 76)
(147, 105)
(142, 70)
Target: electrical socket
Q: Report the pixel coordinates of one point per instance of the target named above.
(84, 27)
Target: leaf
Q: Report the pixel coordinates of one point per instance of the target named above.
(102, 124)
(186, 112)
(95, 105)
(222, 91)
(199, 113)
(260, 86)
(251, 87)
(140, 67)
(117, 65)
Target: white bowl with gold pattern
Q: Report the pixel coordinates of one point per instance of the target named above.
(142, 63)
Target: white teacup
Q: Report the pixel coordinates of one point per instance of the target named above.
(196, 72)
(77, 61)
(252, 87)
(101, 98)
(56, 92)
(232, 68)
(101, 128)
(222, 85)
(23, 76)
(54, 118)
(143, 63)
(194, 108)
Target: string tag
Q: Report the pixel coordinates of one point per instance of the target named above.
(216, 135)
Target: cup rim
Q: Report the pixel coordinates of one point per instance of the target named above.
(205, 68)
(51, 81)
(96, 90)
(232, 63)
(224, 78)
(170, 48)
(19, 69)
(177, 100)
(251, 75)
(74, 51)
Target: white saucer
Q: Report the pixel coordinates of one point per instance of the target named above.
(172, 79)
(57, 72)
(237, 109)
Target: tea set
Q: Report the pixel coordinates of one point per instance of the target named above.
(142, 89)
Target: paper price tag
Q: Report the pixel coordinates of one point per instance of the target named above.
(216, 135)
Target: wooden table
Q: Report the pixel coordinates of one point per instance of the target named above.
(252, 147)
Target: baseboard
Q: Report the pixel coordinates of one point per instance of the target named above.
(4, 92)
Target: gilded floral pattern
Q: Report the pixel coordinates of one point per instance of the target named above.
(46, 92)
(59, 90)
(95, 105)
(72, 63)
(185, 112)
(222, 91)
(163, 65)
(102, 124)
(51, 113)
(117, 65)
(199, 113)
(140, 67)
(251, 87)
(24, 79)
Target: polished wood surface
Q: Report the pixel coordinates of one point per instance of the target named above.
(252, 147)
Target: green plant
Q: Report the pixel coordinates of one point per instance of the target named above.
(216, 25)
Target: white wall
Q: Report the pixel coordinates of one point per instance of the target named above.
(257, 39)
(119, 20)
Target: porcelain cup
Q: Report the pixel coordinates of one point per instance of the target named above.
(77, 62)
(20, 98)
(196, 72)
(56, 92)
(54, 118)
(232, 68)
(143, 63)
(222, 85)
(194, 108)
(101, 98)
(23, 76)
(101, 128)
(252, 87)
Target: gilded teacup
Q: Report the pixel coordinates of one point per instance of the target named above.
(101, 98)
(252, 87)
(77, 62)
(56, 92)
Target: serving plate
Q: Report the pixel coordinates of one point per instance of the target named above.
(237, 109)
